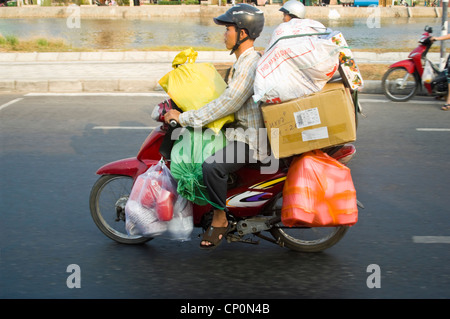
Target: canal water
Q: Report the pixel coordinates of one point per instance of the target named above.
(136, 34)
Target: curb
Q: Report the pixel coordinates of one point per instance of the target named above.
(102, 56)
(79, 86)
(118, 86)
(136, 83)
(167, 56)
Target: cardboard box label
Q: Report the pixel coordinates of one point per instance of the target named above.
(307, 118)
(315, 134)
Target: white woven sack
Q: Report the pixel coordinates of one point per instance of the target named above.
(297, 62)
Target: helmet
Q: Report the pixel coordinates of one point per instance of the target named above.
(243, 16)
(294, 8)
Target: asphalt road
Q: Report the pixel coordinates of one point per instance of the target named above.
(51, 147)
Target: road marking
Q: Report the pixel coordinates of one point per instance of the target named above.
(373, 101)
(149, 94)
(123, 128)
(424, 129)
(10, 102)
(431, 239)
(388, 101)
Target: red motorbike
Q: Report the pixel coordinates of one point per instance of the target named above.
(254, 199)
(403, 79)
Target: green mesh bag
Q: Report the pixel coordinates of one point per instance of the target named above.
(189, 152)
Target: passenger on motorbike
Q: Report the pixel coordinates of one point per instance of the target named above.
(244, 24)
(293, 9)
(446, 107)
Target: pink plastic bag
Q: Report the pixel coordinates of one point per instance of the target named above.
(318, 191)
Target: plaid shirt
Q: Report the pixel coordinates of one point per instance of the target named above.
(237, 99)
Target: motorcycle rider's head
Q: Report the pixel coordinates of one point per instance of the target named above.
(293, 9)
(244, 23)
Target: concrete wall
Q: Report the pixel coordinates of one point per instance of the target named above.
(186, 11)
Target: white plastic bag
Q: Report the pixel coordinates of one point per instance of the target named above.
(154, 207)
(180, 227)
(298, 62)
(427, 76)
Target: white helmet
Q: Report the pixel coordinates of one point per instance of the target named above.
(294, 8)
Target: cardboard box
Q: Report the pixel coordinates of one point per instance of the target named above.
(323, 119)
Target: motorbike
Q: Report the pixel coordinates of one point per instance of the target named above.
(403, 79)
(254, 199)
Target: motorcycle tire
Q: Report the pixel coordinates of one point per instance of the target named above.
(304, 239)
(391, 84)
(107, 202)
(308, 239)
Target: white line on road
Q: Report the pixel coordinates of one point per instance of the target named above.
(424, 129)
(389, 101)
(9, 103)
(149, 94)
(373, 101)
(431, 239)
(123, 128)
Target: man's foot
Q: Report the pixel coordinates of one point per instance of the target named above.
(446, 107)
(213, 237)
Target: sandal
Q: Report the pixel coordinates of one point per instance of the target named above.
(212, 235)
(446, 107)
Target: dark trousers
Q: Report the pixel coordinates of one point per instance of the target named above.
(217, 167)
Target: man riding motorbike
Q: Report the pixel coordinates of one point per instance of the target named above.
(244, 24)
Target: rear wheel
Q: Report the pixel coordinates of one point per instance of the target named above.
(107, 201)
(399, 85)
(310, 240)
(306, 239)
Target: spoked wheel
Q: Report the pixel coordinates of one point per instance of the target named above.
(306, 239)
(399, 85)
(107, 201)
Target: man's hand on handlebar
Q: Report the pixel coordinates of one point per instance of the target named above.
(172, 117)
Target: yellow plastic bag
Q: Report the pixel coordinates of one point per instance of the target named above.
(191, 85)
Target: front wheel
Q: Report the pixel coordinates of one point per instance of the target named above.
(399, 85)
(107, 201)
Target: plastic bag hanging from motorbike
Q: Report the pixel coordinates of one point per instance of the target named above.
(428, 74)
(154, 208)
(192, 85)
(318, 191)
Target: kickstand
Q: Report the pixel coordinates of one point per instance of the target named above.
(235, 238)
(267, 238)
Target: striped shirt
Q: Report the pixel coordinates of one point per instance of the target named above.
(237, 99)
